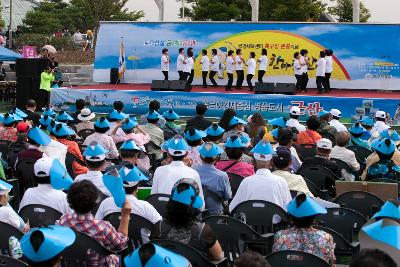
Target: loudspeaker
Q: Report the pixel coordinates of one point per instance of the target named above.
(28, 88)
(30, 67)
(180, 86)
(264, 88)
(114, 76)
(285, 88)
(160, 85)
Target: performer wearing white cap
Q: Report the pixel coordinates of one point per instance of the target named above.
(336, 114)
(293, 121)
(380, 122)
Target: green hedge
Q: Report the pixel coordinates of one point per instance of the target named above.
(40, 40)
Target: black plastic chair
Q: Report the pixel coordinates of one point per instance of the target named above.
(85, 133)
(322, 177)
(364, 202)
(69, 161)
(316, 191)
(361, 153)
(39, 215)
(234, 236)
(4, 144)
(259, 214)
(294, 258)
(26, 176)
(342, 165)
(6, 231)
(346, 222)
(159, 202)
(101, 196)
(14, 194)
(11, 262)
(13, 151)
(306, 151)
(235, 181)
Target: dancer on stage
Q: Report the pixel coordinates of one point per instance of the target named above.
(329, 69)
(214, 66)
(165, 63)
(297, 71)
(230, 67)
(187, 67)
(262, 67)
(180, 62)
(321, 67)
(205, 67)
(251, 70)
(191, 76)
(239, 69)
(304, 68)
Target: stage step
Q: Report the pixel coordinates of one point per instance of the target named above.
(77, 74)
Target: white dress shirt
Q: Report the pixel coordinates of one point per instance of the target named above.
(165, 177)
(329, 64)
(321, 67)
(96, 177)
(8, 215)
(164, 63)
(379, 126)
(263, 63)
(55, 150)
(297, 67)
(188, 66)
(45, 194)
(251, 66)
(105, 141)
(294, 123)
(338, 125)
(239, 63)
(294, 181)
(179, 62)
(215, 63)
(230, 65)
(304, 68)
(263, 186)
(205, 63)
(345, 155)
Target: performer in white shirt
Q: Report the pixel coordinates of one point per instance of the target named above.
(214, 66)
(251, 70)
(293, 121)
(336, 114)
(239, 60)
(304, 68)
(191, 75)
(321, 66)
(165, 63)
(230, 68)
(262, 67)
(205, 67)
(380, 122)
(180, 63)
(329, 68)
(187, 66)
(297, 71)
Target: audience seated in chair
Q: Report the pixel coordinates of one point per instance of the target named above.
(85, 118)
(194, 138)
(325, 129)
(310, 136)
(286, 138)
(156, 134)
(199, 122)
(251, 259)
(31, 111)
(154, 105)
(341, 152)
(101, 126)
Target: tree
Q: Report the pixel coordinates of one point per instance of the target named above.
(343, 10)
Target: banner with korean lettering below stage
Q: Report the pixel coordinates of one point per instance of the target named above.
(184, 103)
(365, 55)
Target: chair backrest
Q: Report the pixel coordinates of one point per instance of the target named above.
(15, 195)
(11, 262)
(39, 215)
(342, 245)
(259, 214)
(137, 225)
(342, 165)
(294, 258)
(365, 203)
(234, 180)
(101, 196)
(4, 144)
(85, 133)
(190, 253)
(159, 202)
(69, 160)
(6, 231)
(306, 151)
(346, 222)
(13, 151)
(322, 177)
(24, 172)
(316, 191)
(361, 153)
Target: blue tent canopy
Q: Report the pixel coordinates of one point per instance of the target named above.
(8, 55)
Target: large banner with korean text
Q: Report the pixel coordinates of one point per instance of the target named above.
(184, 103)
(365, 55)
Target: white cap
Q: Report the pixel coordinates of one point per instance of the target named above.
(262, 157)
(336, 113)
(295, 111)
(42, 167)
(249, 118)
(380, 114)
(324, 143)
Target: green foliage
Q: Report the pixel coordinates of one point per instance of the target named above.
(343, 10)
(40, 40)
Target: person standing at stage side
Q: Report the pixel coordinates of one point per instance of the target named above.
(297, 71)
(304, 69)
(180, 62)
(251, 70)
(329, 69)
(205, 67)
(230, 67)
(187, 67)
(191, 75)
(165, 63)
(214, 66)
(321, 67)
(262, 67)
(239, 69)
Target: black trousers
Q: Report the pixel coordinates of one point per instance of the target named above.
(185, 76)
(212, 74)
(165, 75)
(230, 81)
(305, 81)
(248, 79)
(261, 75)
(320, 82)
(328, 82)
(180, 72)
(204, 74)
(240, 78)
(191, 76)
(299, 82)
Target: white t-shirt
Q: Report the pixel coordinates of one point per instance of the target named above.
(321, 66)
(179, 62)
(297, 67)
(164, 63)
(205, 63)
(96, 177)
(188, 66)
(251, 66)
(215, 63)
(8, 215)
(304, 68)
(263, 63)
(239, 63)
(230, 66)
(329, 64)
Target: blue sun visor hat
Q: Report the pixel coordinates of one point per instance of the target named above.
(356, 129)
(102, 123)
(210, 150)
(10, 118)
(391, 134)
(55, 239)
(131, 175)
(235, 121)
(45, 120)
(235, 141)
(114, 183)
(153, 115)
(275, 133)
(20, 113)
(49, 112)
(215, 130)
(5, 187)
(263, 151)
(368, 121)
(129, 145)
(59, 177)
(171, 115)
(63, 116)
(194, 134)
(129, 124)
(322, 113)
(388, 210)
(61, 129)
(385, 231)
(384, 146)
(161, 258)
(279, 122)
(177, 146)
(95, 152)
(190, 195)
(308, 207)
(39, 136)
(115, 115)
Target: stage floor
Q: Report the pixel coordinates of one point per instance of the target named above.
(244, 90)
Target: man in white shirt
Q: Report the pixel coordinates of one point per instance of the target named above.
(165, 63)
(166, 176)
(187, 67)
(262, 67)
(263, 185)
(251, 70)
(342, 153)
(205, 67)
(77, 37)
(214, 66)
(180, 62)
(380, 122)
(191, 75)
(297, 71)
(329, 69)
(44, 193)
(321, 67)
(293, 121)
(230, 67)
(239, 69)
(304, 63)
(336, 114)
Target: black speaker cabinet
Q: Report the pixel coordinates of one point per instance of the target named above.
(30, 67)
(160, 85)
(264, 88)
(180, 86)
(285, 88)
(114, 76)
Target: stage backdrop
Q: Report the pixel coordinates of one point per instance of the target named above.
(366, 55)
